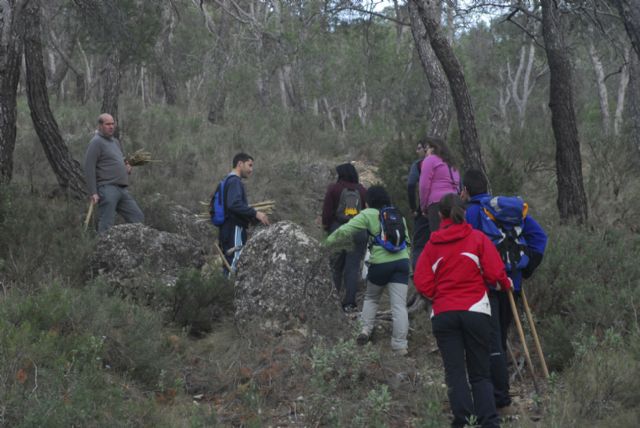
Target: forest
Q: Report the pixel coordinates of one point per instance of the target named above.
(541, 95)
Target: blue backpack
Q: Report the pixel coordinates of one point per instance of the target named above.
(392, 230)
(218, 202)
(502, 220)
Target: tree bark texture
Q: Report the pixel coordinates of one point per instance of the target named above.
(439, 99)
(630, 12)
(67, 170)
(603, 93)
(10, 59)
(111, 84)
(572, 200)
(457, 84)
(163, 58)
(633, 112)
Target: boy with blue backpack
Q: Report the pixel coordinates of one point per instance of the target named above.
(388, 264)
(521, 242)
(230, 211)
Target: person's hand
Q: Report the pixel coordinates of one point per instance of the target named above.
(94, 198)
(507, 288)
(262, 218)
(129, 167)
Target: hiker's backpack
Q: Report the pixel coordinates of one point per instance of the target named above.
(392, 230)
(217, 207)
(502, 220)
(349, 205)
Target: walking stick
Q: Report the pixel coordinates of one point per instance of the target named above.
(536, 339)
(88, 219)
(521, 334)
(224, 259)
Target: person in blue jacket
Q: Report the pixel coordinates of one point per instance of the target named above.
(233, 232)
(474, 189)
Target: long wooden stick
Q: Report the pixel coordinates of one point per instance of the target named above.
(88, 218)
(516, 317)
(534, 332)
(224, 259)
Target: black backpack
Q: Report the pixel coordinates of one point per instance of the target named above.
(392, 231)
(349, 205)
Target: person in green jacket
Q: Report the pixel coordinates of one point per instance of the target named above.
(386, 269)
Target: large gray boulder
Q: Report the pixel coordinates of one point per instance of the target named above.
(134, 258)
(284, 283)
(192, 225)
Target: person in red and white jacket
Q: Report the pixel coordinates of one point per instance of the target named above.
(452, 272)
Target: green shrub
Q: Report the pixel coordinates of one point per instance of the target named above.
(197, 301)
(586, 283)
(72, 357)
(42, 238)
(601, 388)
(130, 337)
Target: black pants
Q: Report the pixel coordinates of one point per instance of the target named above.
(463, 338)
(500, 309)
(232, 238)
(346, 266)
(420, 237)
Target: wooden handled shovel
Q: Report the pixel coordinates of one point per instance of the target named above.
(534, 332)
(88, 218)
(516, 317)
(223, 258)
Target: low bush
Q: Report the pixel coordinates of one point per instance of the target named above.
(586, 284)
(601, 387)
(76, 357)
(197, 301)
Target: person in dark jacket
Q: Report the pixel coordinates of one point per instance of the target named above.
(420, 221)
(233, 232)
(345, 263)
(474, 190)
(452, 272)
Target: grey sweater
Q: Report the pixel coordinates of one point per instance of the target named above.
(104, 163)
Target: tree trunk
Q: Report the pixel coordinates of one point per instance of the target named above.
(572, 200)
(162, 55)
(439, 100)
(457, 84)
(633, 112)
(622, 92)
(67, 170)
(111, 85)
(603, 93)
(10, 59)
(630, 12)
(521, 96)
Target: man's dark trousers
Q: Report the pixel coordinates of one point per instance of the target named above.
(420, 237)
(232, 236)
(499, 372)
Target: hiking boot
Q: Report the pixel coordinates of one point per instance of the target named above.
(509, 412)
(362, 338)
(349, 309)
(400, 352)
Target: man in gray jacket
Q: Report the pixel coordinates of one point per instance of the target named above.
(107, 175)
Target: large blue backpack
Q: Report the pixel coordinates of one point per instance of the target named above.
(217, 208)
(392, 230)
(502, 220)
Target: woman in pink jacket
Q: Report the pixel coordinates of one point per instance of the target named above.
(453, 272)
(438, 176)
